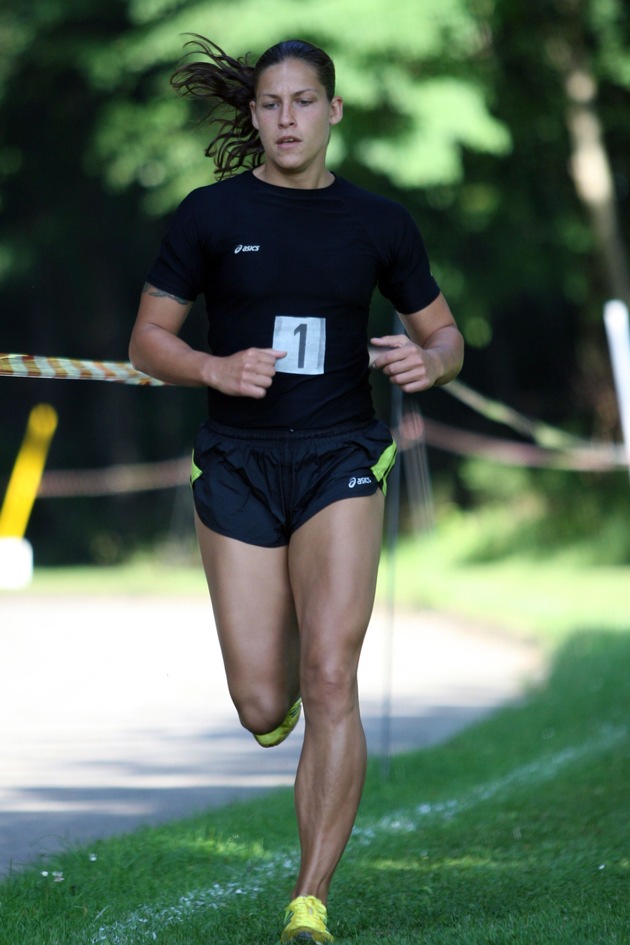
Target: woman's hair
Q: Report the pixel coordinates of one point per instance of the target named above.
(229, 85)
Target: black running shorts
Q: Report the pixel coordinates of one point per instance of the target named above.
(259, 486)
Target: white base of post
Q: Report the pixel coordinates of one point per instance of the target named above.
(16, 563)
(618, 332)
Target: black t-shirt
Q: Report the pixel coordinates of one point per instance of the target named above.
(295, 270)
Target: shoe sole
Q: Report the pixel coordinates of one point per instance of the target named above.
(271, 739)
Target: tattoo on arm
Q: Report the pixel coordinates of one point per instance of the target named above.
(159, 293)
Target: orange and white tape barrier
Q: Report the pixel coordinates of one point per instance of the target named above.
(29, 365)
(551, 447)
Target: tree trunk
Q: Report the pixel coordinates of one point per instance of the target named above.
(591, 169)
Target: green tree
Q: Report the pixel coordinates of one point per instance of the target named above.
(474, 113)
(414, 106)
(561, 84)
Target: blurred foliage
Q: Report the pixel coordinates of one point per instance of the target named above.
(456, 109)
(401, 69)
(536, 513)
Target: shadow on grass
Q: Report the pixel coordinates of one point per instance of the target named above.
(514, 831)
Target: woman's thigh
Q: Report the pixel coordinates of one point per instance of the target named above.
(333, 565)
(254, 614)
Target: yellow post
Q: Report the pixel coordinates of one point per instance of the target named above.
(27, 472)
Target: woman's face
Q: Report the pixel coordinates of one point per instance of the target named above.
(293, 116)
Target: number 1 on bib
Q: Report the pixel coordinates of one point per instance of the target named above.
(304, 340)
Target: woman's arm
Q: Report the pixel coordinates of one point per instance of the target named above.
(156, 349)
(433, 353)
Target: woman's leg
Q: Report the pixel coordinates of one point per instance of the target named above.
(257, 627)
(333, 563)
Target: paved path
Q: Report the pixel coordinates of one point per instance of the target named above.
(114, 711)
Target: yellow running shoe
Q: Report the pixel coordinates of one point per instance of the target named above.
(271, 739)
(305, 920)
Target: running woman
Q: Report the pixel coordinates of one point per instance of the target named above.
(290, 468)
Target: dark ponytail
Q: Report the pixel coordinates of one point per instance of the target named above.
(225, 83)
(230, 84)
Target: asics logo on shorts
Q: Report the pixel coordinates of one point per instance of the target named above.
(359, 481)
(245, 249)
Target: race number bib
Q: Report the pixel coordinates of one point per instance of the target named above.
(304, 340)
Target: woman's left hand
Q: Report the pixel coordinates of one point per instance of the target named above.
(408, 365)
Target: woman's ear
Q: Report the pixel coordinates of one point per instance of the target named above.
(336, 110)
(252, 108)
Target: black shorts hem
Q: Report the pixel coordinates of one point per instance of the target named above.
(260, 489)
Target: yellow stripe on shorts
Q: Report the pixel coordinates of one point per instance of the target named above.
(384, 466)
(195, 472)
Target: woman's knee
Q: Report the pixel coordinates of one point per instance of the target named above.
(329, 688)
(261, 712)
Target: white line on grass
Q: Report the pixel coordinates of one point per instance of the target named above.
(536, 772)
(146, 923)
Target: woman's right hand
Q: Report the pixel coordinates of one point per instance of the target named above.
(156, 349)
(247, 373)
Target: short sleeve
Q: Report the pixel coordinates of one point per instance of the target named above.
(407, 280)
(179, 266)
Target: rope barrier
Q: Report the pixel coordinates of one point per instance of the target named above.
(592, 458)
(73, 369)
(28, 365)
(552, 448)
(414, 430)
(114, 480)
(540, 432)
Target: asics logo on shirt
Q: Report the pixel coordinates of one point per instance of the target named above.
(245, 249)
(360, 481)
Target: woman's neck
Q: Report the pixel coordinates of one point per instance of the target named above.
(311, 179)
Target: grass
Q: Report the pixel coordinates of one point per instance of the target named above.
(546, 596)
(514, 832)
